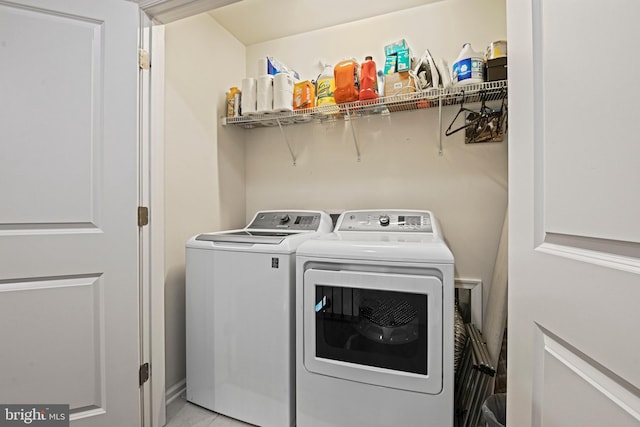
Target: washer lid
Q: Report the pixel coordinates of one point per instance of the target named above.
(246, 236)
(268, 232)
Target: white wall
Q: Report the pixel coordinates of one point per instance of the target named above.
(466, 188)
(442, 27)
(204, 170)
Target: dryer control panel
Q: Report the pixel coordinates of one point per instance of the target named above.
(389, 220)
(288, 220)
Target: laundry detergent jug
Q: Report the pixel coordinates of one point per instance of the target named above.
(468, 67)
(368, 80)
(347, 81)
(325, 87)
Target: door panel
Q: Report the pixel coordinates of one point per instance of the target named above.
(586, 116)
(68, 228)
(39, 305)
(574, 247)
(571, 382)
(45, 127)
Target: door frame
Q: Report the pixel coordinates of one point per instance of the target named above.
(151, 246)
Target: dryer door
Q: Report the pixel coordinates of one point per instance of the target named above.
(375, 328)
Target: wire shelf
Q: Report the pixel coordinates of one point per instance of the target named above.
(429, 98)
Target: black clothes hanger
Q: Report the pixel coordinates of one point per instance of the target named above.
(481, 122)
(449, 132)
(488, 123)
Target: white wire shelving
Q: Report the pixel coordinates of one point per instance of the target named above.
(383, 106)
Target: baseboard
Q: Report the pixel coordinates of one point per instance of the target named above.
(175, 391)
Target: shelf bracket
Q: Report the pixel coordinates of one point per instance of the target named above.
(440, 123)
(284, 136)
(353, 132)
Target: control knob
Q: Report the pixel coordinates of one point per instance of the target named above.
(384, 220)
(284, 219)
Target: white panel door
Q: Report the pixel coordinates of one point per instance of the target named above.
(574, 189)
(68, 197)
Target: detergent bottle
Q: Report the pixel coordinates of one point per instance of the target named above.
(468, 67)
(325, 87)
(347, 81)
(368, 80)
(233, 102)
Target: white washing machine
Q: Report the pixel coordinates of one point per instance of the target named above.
(240, 316)
(375, 323)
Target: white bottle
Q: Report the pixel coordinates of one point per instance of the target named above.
(468, 67)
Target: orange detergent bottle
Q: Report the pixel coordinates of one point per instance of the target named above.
(347, 81)
(368, 80)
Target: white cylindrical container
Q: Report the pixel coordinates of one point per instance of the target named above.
(263, 66)
(283, 92)
(468, 67)
(249, 96)
(264, 94)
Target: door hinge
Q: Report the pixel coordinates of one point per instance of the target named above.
(143, 59)
(143, 216)
(143, 374)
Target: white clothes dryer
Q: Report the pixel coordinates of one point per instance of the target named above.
(375, 323)
(240, 316)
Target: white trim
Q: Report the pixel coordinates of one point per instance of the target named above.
(143, 233)
(176, 390)
(151, 189)
(477, 310)
(94, 412)
(156, 227)
(608, 260)
(166, 11)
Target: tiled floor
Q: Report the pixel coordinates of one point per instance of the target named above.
(181, 413)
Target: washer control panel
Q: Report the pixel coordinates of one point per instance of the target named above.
(270, 220)
(391, 220)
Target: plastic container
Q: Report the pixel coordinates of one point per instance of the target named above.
(347, 81)
(233, 102)
(494, 410)
(368, 80)
(468, 68)
(325, 87)
(497, 49)
(303, 95)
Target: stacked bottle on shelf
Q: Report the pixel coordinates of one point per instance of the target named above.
(348, 81)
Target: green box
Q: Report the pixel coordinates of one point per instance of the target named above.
(404, 60)
(395, 47)
(390, 64)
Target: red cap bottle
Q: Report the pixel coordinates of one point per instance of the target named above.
(368, 80)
